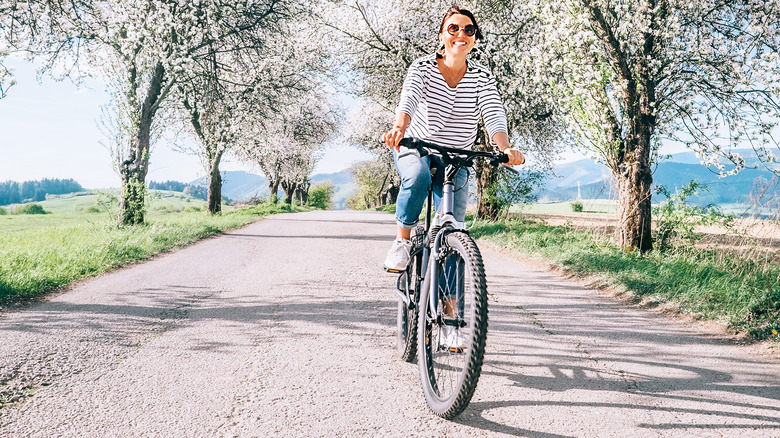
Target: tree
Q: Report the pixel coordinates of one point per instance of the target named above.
(377, 183)
(148, 47)
(219, 103)
(285, 147)
(321, 195)
(627, 73)
(362, 131)
(509, 38)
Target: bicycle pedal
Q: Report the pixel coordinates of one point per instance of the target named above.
(392, 271)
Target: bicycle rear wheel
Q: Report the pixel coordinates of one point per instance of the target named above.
(407, 315)
(451, 342)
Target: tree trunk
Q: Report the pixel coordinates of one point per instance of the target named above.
(133, 170)
(214, 199)
(303, 192)
(486, 175)
(289, 191)
(273, 190)
(131, 202)
(634, 179)
(634, 230)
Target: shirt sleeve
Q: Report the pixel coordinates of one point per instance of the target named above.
(412, 90)
(490, 107)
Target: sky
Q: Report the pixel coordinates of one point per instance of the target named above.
(49, 129)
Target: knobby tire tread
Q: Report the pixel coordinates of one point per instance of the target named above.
(465, 392)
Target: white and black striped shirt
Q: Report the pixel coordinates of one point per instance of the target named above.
(449, 116)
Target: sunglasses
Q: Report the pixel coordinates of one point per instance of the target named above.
(469, 30)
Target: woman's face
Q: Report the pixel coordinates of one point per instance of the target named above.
(459, 43)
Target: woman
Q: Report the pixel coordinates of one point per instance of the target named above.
(443, 98)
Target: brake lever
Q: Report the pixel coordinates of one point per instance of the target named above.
(510, 169)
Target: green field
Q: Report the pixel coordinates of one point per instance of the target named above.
(79, 238)
(589, 206)
(95, 207)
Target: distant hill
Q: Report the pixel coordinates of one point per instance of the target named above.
(12, 192)
(242, 186)
(595, 180)
(239, 185)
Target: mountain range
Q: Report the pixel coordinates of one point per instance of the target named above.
(587, 179)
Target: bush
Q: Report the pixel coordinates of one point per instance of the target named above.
(677, 220)
(389, 208)
(576, 206)
(31, 209)
(321, 195)
(3, 211)
(92, 209)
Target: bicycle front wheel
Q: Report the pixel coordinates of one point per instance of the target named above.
(451, 338)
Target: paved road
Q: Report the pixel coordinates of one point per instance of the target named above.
(286, 328)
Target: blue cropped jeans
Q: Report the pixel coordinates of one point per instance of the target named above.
(416, 180)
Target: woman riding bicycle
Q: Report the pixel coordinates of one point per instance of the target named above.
(443, 98)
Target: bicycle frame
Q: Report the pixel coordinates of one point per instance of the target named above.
(445, 221)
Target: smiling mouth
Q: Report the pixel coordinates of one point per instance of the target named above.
(459, 43)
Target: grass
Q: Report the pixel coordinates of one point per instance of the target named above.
(742, 293)
(589, 206)
(57, 249)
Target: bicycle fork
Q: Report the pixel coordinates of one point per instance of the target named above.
(447, 224)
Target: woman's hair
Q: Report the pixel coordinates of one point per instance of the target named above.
(453, 10)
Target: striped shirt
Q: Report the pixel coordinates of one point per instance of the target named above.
(449, 116)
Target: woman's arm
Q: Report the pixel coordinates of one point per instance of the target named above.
(411, 93)
(501, 139)
(494, 117)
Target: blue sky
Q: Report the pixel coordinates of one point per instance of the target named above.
(49, 129)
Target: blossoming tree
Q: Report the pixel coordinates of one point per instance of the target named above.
(287, 146)
(627, 73)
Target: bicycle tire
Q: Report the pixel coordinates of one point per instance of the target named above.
(407, 318)
(449, 376)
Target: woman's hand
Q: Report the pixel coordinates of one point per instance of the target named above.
(515, 157)
(501, 139)
(392, 137)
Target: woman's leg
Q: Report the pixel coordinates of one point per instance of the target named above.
(415, 182)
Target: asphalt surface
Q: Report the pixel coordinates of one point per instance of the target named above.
(287, 328)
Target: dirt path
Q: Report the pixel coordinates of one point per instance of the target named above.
(286, 328)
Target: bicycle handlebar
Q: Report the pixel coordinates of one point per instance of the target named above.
(494, 158)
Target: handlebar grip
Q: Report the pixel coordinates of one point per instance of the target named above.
(413, 143)
(498, 159)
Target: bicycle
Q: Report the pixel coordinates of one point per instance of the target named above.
(443, 309)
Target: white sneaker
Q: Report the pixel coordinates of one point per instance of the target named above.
(398, 256)
(453, 339)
